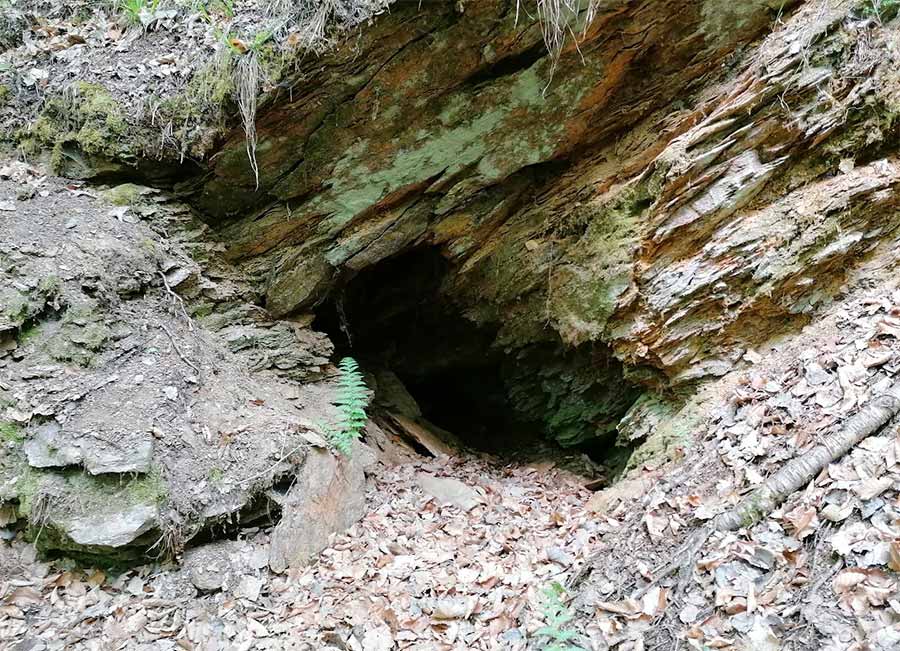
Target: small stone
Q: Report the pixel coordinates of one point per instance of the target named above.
(689, 614)
(209, 567)
(249, 587)
(449, 491)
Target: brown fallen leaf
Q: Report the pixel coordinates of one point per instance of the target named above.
(24, 596)
(453, 608)
(873, 487)
(894, 561)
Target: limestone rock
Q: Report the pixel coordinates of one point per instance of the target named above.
(326, 497)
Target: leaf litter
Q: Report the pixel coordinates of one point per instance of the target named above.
(417, 572)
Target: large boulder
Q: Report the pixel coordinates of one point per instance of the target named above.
(327, 495)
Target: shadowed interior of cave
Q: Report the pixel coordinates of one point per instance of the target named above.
(394, 316)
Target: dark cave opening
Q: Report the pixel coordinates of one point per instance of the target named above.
(394, 315)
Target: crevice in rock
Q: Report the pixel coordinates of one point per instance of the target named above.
(262, 511)
(399, 317)
(509, 65)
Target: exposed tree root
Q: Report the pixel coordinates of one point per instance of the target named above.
(246, 84)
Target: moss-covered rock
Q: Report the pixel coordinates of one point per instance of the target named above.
(107, 519)
(80, 335)
(125, 194)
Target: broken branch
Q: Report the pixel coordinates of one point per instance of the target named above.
(798, 472)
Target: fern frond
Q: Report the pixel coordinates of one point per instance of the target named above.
(556, 616)
(352, 401)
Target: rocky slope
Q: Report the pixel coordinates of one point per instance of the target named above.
(136, 418)
(641, 243)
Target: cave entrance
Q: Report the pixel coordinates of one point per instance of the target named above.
(397, 322)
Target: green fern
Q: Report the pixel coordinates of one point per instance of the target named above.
(556, 616)
(132, 9)
(351, 402)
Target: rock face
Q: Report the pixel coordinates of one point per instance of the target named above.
(582, 237)
(687, 183)
(50, 447)
(326, 495)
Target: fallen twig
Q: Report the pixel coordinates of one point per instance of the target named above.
(798, 472)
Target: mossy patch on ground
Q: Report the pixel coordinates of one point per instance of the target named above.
(11, 432)
(80, 335)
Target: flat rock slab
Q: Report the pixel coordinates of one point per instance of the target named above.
(449, 491)
(51, 446)
(115, 529)
(328, 496)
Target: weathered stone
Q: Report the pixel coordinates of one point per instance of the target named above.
(52, 446)
(447, 490)
(222, 565)
(209, 567)
(327, 496)
(391, 394)
(111, 528)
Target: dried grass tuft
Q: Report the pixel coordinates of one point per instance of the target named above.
(556, 18)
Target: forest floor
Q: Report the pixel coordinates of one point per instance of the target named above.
(464, 570)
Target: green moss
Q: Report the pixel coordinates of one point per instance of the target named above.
(87, 117)
(147, 489)
(11, 432)
(28, 335)
(660, 426)
(81, 334)
(27, 486)
(87, 493)
(883, 10)
(599, 270)
(17, 307)
(202, 310)
(5, 94)
(215, 476)
(754, 511)
(49, 286)
(72, 494)
(126, 194)
(207, 100)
